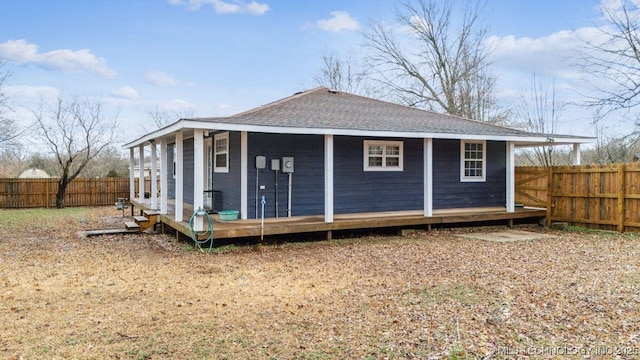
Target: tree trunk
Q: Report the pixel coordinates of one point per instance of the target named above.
(62, 190)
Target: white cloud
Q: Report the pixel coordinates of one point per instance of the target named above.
(69, 61)
(159, 78)
(339, 20)
(126, 92)
(225, 7)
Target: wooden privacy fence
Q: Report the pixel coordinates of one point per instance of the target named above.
(600, 196)
(30, 193)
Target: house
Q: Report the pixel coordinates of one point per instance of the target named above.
(328, 153)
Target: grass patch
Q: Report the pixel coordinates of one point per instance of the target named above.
(13, 219)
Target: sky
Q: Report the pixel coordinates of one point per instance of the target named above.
(220, 57)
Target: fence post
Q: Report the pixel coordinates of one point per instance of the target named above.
(620, 183)
(549, 193)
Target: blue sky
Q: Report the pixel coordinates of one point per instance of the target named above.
(219, 57)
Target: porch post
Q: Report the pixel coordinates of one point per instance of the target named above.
(132, 178)
(428, 177)
(163, 177)
(576, 154)
(510, 177)
(244, 163)
(198, 177)
(141, 174)
(179, 212)
(328, 178)
(154, 176)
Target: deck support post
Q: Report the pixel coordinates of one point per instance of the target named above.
(163, 177)
(244, 171)
(141, 174)
(510, 178)
(575, 155)
(179, 189)
(329, 235)
(428, 177)
(132, 178)
(198, 177)
(154, 176)
(328, 178)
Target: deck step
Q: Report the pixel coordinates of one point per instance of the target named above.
(149, 213)
(140, 219)
(130, 225)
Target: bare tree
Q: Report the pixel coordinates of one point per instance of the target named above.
(540, 112)
(75, 131)
(9, 129)
(343, 74)
(163, 118)
(612, 60)
(435, 65)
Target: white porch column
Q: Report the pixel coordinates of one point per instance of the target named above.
(244, 171)
(510, 177)
(428, 177)
(132, 178)
(163, 177)
(328, 178)
(141, 174)
(154, 176)
(198, 177)
(179, 198)
(576, 154)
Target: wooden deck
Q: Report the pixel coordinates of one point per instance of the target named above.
(311, 224)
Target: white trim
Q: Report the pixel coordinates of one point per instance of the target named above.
(510, 178)
(198, 178)
(179, 187)
(328, 178)
(464, 178)
(533, 140)
(576, 154)
(141, 174)
(244, 163)
(132, 178)
(384, 143)
(164, 181)
(428, 177)
(154, 176)
(216, 137)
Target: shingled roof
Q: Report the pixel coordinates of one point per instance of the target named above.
(325, 111)
(322, 108)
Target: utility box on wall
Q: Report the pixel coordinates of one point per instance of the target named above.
(287, 164)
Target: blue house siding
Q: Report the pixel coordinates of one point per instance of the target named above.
(450, 193)
(229, 183)
(187, 171)
(356, 190)
(307, 193)
(171, 181)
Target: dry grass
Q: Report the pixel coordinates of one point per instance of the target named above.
(431, 295)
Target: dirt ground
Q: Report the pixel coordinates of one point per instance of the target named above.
(423, 296)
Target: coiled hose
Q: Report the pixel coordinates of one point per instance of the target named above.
(196, 235)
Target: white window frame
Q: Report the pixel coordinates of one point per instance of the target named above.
(384, 144)
(216, 168)
(463, 160)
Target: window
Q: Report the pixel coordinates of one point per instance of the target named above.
(382, 155)
(221, 153)
(472, 162)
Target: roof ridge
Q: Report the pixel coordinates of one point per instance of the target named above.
(280, 101)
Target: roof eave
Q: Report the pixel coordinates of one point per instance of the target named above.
(520, 140)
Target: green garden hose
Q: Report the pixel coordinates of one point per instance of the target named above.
(196, 235)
